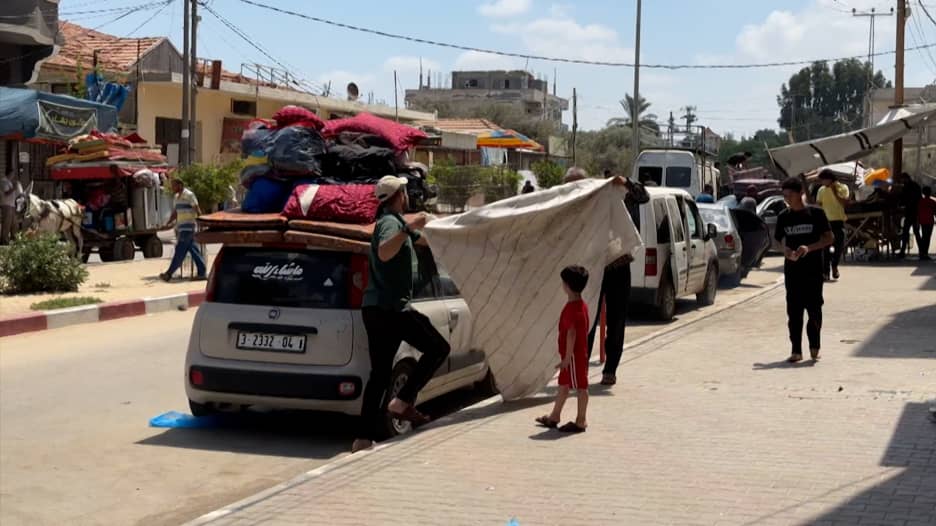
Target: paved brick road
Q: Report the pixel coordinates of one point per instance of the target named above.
(707, 426)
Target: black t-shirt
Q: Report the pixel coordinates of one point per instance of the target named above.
(796, 228)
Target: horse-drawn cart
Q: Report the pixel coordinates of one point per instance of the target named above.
(123, 202)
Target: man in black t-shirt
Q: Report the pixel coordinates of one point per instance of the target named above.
(805, 233)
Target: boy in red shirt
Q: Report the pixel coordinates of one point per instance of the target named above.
(927, 213)
(573, 349)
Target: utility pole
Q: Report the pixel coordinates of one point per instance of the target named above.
(396, 97)
(897, 165)
(574, 122)
(872, 14)
(193, 117)
(186, 83)
(635, 140)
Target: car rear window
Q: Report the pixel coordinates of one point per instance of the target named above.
(650, 173)
(678, 176)
(717, 217)
(283, 278)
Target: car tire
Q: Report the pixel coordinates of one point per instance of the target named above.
(390, 427)
(198, 409)
(707, 296)
(152, 247)
(666, 296)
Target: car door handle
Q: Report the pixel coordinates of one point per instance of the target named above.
(453, 319)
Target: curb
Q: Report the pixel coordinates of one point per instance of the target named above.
(54, 319)
(347, 460)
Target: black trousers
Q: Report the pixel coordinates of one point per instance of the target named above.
(909, 223)
(832, 258)
(386, 329)
(926, 234)
(615, 291)
(804, 293)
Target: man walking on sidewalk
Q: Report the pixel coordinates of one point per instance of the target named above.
(184, 215)
(832, 197)
(805, 232)
(390, 319)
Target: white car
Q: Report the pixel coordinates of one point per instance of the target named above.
(281, 327)
(678, 257)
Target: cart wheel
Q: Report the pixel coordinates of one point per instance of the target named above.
(123, 249)
(152, 247)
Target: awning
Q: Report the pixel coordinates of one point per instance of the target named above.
(805, 156)
(27, 114)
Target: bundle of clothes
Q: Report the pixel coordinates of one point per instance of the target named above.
(305, 168)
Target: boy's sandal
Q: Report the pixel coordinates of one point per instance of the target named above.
(546, 422)
(571, 427)
(412, 416)
(794, 358)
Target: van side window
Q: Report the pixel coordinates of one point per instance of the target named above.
(678, 176)
(425, 286)
(650, 173)
(662, 221)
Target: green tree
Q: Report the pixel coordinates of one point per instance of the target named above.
(607, 149)
(636, 110)
(548, 173)
(754, 144)
(820, 100)
(210, 184)
(39, 263)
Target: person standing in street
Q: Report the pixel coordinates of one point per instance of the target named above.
(805, 233)
(926, 216)
(390, 319)
(10, 189)
(910, 194)
(707, 195)
(186, 211)
(527, 187)
(615, 292)
(832, 197)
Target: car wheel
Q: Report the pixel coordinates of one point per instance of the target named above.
(666, 306)
(201, 409)
(152, 247)
(389, 426)
(707, 296)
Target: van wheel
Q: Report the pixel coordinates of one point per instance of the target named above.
(666, 306)
(201, 409)
(707, 296)
(391, 427)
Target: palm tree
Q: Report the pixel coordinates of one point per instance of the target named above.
(646, 121)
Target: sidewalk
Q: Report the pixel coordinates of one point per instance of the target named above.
(128, 280)
(708, 425)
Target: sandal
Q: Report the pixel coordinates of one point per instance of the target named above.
(571, 427)
(794, 358)
(814, 354)
(411, 415)
(608, 379)
(545, 421)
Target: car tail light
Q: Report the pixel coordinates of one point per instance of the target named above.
(212, 285)
(650, 262)
(347, 388)
(730, 241)
(358, 281)
(196, 377)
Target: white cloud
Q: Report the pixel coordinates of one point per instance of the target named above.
(475, 60)
(402, 64)
(564, 37)
(505, 8)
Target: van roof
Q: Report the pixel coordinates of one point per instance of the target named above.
(664, 191)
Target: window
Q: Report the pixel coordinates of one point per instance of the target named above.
(679, 176)
(679, 221)
(243, 107)
(650, 173)
(695, 222)
(662, 221)
(425, 286)
(718, 218)
(283, 278)
(506, 83)
(471, 83)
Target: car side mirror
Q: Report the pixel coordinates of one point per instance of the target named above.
(711, 231)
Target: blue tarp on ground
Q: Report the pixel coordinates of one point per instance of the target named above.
(29, 113)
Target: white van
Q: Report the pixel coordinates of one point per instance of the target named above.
(683, 169)
(678, 257)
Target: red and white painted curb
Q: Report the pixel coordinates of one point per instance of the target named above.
(55, 319)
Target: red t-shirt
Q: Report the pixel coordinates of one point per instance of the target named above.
(926, 210)
(574, 316)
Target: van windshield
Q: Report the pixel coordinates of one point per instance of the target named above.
(678, 176)
(283, 278)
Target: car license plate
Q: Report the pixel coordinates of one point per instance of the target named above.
(264, 341)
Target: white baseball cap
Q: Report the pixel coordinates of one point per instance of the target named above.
(388, 186)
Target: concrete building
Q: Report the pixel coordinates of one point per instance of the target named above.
(226, 101)
(883, 98)
(471, 89)
(28, 35)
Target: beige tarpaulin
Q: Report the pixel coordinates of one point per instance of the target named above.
(805, 156)
(506, 257)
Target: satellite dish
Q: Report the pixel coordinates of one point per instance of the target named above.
(353, 92)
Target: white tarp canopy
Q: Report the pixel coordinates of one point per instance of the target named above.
(805, 156)
(506, 257)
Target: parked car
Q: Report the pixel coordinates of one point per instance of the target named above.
(768, 210)
(281, 327)
(678, 257)
(742, 240)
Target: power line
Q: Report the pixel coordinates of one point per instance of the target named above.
(926, 12)
(151, 17)
(560, 59)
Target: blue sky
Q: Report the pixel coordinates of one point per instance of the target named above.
(674, 31)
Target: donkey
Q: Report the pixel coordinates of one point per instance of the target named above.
(58, 216)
